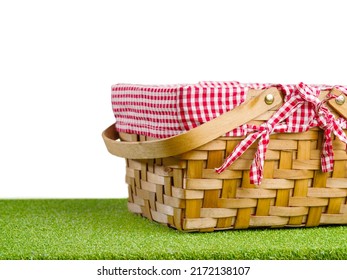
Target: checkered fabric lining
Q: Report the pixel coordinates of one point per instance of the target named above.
(161, 111)
(168, 110)
(164, 111)
(146, 110)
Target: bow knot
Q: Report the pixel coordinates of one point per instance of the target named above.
(266, 127)
(320, 116)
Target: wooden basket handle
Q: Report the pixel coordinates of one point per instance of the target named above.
(340, 108)
(195, 137)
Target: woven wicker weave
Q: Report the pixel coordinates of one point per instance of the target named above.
(184, 191)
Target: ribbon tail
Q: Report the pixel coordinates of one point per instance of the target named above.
(256, 171)
(340, 133)
(327, 156)
(238, 151)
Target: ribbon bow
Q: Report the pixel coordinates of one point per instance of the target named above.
(320, 116)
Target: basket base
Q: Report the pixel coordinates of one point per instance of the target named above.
(184, 192)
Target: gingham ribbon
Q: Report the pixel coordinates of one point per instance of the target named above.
(322, 117)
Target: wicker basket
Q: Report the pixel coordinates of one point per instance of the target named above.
(173, 181)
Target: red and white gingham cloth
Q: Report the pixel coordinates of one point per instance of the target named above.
(168, 110)
(164, 111)
(301, 111)
(146, 110)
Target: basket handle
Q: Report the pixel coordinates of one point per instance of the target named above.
(195, 137)
(341, 108)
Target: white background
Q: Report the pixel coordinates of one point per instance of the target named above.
(88, 270)
(58, 60)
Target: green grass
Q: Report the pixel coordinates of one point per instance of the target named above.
(104, 229)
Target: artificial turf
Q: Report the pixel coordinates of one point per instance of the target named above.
(104, 229)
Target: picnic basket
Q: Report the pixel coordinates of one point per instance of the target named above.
(275, 157)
